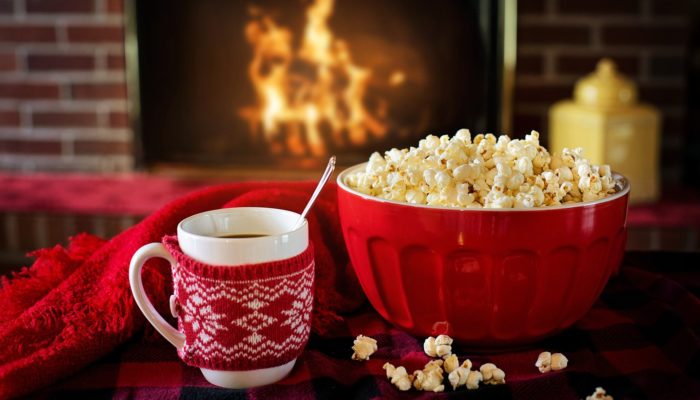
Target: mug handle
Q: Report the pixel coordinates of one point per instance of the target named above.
(175, 337)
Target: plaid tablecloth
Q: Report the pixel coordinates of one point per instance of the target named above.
(640, 341)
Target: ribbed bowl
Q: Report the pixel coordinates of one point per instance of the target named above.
(484, 276)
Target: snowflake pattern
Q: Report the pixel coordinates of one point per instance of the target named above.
(252, 307)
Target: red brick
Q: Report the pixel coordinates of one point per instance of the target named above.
(27, 33)
(531, 64)
(7, 6)
(663, 95)
(531, 7)
(98, 91)
(115, 61)
(95, 34)
(542, 94)
(17, 146)
(9, 118)
(599, 7)
(83, 147)
(60, 62)
(667, 66)
(115, 6)
(670, 7)
(584, 64)
(64, 119)
(8, 62)
(26, 91)
(553, 34)
(638, 35)
(60, 6)
(118, 119)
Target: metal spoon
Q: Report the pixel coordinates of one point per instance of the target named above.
(324, 178)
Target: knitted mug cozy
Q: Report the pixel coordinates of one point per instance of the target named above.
(242, 317)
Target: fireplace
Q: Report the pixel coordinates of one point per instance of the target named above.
(261, 83)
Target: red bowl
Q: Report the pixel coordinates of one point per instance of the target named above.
(491, 277)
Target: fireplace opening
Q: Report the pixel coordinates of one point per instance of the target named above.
(274, 83)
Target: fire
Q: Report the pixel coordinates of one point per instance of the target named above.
(312, 96)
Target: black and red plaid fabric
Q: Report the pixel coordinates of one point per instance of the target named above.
(640, 341)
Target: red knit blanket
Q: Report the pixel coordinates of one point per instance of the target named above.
(74, 304)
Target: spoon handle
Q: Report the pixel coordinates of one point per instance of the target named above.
(321, 183)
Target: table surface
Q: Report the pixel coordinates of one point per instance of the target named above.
(640, 340)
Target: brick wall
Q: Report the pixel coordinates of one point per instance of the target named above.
(63, 95)
(561, 40)
(62, 86)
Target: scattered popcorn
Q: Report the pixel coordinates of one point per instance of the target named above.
(390, 369)
(438, 347)
(458, 377)
(434, 364)
(599, 394)
(483, 172)
(544, 362)
(430, 378)
(399, 377)
(473, 380)
(429, 347)
(492, 375)
(551, 362)
(559, 361)
(451, 363)
(363, 347)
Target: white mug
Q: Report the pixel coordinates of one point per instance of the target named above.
(199, 238)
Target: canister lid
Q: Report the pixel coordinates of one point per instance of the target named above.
(605, 87)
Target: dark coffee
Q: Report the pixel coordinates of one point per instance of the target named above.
(241, 235)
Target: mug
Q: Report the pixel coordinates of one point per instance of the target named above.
(243, 304)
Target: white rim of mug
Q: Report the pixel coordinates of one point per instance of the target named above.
(180, 226)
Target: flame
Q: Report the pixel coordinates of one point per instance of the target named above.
(397, 78)
(308, 96)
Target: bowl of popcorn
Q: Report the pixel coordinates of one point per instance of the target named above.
(492, 241)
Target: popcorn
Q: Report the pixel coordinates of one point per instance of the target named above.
(458, 377)
(438, 347)
(473, 380)
(551, 362)
(434, 365)
(599, 394)
(415, 197)
(363, 347)
(429, 347)
(492, 375)
(559, 361)
(483, 172)
(544, 362)
(451, 363)
(430, 378)
(443, 179)
(398, 376)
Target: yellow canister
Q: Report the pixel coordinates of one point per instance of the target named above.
(605, 119)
